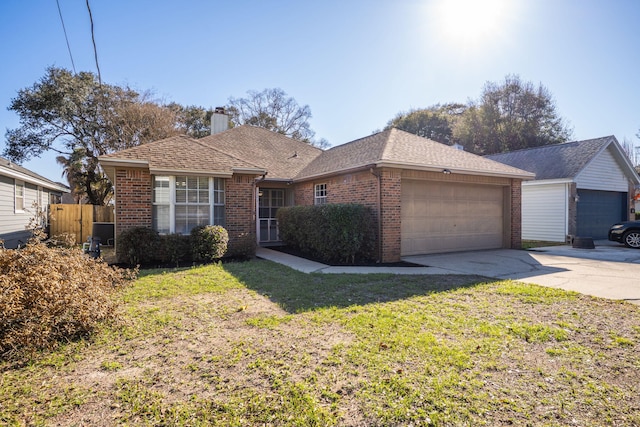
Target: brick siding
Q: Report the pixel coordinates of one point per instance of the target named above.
(240, 212)
(134, 207)
(516, 214)
(133, 199)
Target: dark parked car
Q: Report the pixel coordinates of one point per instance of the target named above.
(627, 232)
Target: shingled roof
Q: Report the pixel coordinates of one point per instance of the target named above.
(9, 168)
(250, 148)
(558, 161)
(180, 154)
(281, 156)
(397, 148)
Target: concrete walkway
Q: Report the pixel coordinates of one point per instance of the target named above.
(608, 271)
(307, 266)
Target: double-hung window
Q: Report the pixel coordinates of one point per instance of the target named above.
(19, 196)
(183, 202)
(320, 194)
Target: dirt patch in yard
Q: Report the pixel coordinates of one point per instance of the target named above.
(386, 350)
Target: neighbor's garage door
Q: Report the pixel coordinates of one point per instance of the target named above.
(598, 210)
(447, 217)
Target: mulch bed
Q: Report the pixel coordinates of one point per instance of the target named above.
(358, 263)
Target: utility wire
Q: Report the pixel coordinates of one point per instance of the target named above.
(66, 37)
(93, 39)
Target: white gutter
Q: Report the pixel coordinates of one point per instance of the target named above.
(32, 180)
(550, 181)
(462, 171)
(163, 171)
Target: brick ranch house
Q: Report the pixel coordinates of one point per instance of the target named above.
(426, 197)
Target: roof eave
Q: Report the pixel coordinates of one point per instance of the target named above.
(115, 162)
(251, 171)
(193, 172)
(33, 180)
(524, 175)
(331, 173)
(551, 181)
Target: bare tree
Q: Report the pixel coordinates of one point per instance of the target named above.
(272, 109)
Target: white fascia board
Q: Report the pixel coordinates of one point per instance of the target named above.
(549, 181)
(122, 162)
(461, 171)
(32, 180)
(162, 171)
(255, 171)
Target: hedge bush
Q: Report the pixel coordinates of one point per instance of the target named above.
(334, 233)
(139, 245)
(50, 295)
(144, 246)
(175, 249)
(209, 242)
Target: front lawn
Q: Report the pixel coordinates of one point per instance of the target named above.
(256, 343)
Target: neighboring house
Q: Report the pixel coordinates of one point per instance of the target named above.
(581, 188)
(426, 197)
(22, 193)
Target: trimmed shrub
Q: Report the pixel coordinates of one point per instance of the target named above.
(209, 242)
(139, 245)
(334, 233)
(243, 246)
(50, 295)
(176, 249)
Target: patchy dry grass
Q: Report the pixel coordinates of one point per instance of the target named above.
(256, 343)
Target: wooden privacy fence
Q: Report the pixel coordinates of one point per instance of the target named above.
(77, 219)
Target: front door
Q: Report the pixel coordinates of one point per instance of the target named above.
(269, 201)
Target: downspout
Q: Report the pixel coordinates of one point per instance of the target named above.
(256, 201)
(378, 176)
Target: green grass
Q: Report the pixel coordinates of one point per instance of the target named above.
(257, 343)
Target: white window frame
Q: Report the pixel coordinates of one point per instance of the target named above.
(19, 195)
(216, 201)
(320, 194)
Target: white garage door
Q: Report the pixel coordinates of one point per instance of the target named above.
(447, 217)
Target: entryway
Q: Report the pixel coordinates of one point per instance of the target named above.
(269, 201)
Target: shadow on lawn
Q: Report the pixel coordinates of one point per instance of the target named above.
(298, 292)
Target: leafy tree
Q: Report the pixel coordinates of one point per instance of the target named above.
(272, 109)
(435, 122)
(510, 116)
(193, 120)
(81, 119)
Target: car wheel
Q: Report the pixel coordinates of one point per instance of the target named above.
(632, 239)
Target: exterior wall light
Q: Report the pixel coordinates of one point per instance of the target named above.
(446, 171)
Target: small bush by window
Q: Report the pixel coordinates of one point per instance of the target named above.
(209, 242)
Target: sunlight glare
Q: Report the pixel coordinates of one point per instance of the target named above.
(470, 23)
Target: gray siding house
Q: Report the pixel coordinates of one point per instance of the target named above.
(22, 193)
(581, 188)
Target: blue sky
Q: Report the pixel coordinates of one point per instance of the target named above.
(356, 63)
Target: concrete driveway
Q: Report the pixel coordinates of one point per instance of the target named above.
(608, 271)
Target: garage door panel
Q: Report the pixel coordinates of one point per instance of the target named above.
(446, 217)
(598, 210)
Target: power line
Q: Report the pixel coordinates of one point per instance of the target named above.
(65, 37)
(93, 39)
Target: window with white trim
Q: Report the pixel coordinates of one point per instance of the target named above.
(320, 194)
(183, 202)
(19, 196)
